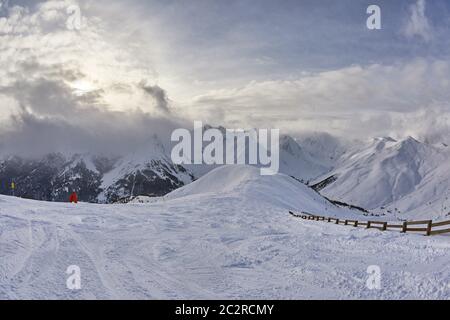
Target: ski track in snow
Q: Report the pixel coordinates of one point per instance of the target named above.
(234, 244)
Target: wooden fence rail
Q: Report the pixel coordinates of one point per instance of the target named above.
(426, 225)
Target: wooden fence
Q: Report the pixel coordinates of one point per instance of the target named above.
(425, 226)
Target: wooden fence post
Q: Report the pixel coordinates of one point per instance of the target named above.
(329, 219)
(405, 226)
(368, 224)
(356, 223)
(346, 222)
(384, 226)
(337, 221)
(429, 227)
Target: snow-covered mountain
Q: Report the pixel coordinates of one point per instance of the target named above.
(407, 178)
(96, 178)
(148, 171)
(299, 163)
(325, 150)
(52, 177)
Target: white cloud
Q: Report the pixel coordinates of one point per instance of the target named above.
(95, 53)
(417, 24)
(83, 84)
(78, 90)
(358, 100)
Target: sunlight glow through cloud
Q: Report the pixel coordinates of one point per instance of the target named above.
(249, 70)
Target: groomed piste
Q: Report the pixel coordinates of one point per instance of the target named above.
(226, 235)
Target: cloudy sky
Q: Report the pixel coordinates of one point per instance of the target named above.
(100, 71)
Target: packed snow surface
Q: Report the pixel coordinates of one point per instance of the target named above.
(227, 235)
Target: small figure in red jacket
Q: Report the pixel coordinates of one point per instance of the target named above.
(73, 198)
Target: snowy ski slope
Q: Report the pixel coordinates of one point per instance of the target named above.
(227, 235)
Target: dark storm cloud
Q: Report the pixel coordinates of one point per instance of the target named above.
(33, 68)
(52, 119)
(157, 93)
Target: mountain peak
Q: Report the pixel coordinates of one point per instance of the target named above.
(411, 139)
(410, 143)
(288, 144)
(385, 139)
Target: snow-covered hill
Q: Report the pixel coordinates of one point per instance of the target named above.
(406, 178)
(211, 240)
(245, 181)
